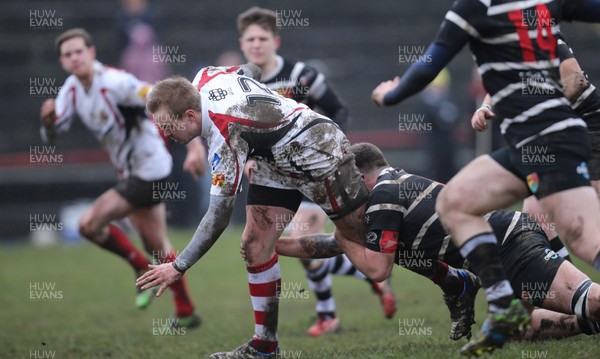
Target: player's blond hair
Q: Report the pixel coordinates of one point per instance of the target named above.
(368, 157)
(265, 18)
(176, 94)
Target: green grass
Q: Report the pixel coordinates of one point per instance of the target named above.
(95, 318)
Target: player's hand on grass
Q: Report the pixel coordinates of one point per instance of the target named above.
(480, 118)
(162, 274)
(382, 89)
(47, 113)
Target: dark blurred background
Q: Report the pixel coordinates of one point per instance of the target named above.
(355, 43)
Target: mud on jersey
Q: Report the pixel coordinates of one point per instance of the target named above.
(241, 117)
(113, 109)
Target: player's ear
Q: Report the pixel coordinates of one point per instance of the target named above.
(277, 42)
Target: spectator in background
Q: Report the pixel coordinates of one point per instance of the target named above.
(131, 13)
(137, 57)
(443, 115)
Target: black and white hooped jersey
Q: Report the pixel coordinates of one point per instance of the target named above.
(401, 219)
(515, 46)
(305, 84)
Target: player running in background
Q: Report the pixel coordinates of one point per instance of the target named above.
(585, 101)
(514, 45)
(403, 227)
(259, 42)
(298, 152)
(111, 104)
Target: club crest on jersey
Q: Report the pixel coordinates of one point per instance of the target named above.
(583, 170)
(215, 162)
(217, 94)
(533, 182)
(218, 180)
(103, 116)
(371, 237)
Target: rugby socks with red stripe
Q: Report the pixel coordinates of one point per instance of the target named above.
(483, 254)
(183, 304)
(264, 281)
(447, 278)
(118, 243)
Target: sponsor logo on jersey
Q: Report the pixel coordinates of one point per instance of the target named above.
(103, 116)
(550, 254)
(143, 91)
(216, 161)
(218, 180)
(217, 94)
(533, 182)
(583, 170)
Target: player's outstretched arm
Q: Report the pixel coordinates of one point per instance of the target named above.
(209, 230)
(375, 265)
(416, 78)
(320, 245)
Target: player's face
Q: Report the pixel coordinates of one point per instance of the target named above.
(181, 130)
(76, 58)
(259, 45)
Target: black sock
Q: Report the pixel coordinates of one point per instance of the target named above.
(559, 248)
(483, 255)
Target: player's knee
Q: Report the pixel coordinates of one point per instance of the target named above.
(447, 205)
(87, 228)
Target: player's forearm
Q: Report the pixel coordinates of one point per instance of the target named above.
(420, 73)
(321, 245)
(377, 270)
(209, 230)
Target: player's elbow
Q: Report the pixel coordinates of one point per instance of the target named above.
(379, 273)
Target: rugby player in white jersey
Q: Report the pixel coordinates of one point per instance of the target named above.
(111, 104)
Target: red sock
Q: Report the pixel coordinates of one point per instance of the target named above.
(183, 303)
(118, 243)
(264, 281)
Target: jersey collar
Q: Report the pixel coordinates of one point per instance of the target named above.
(276, 70)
